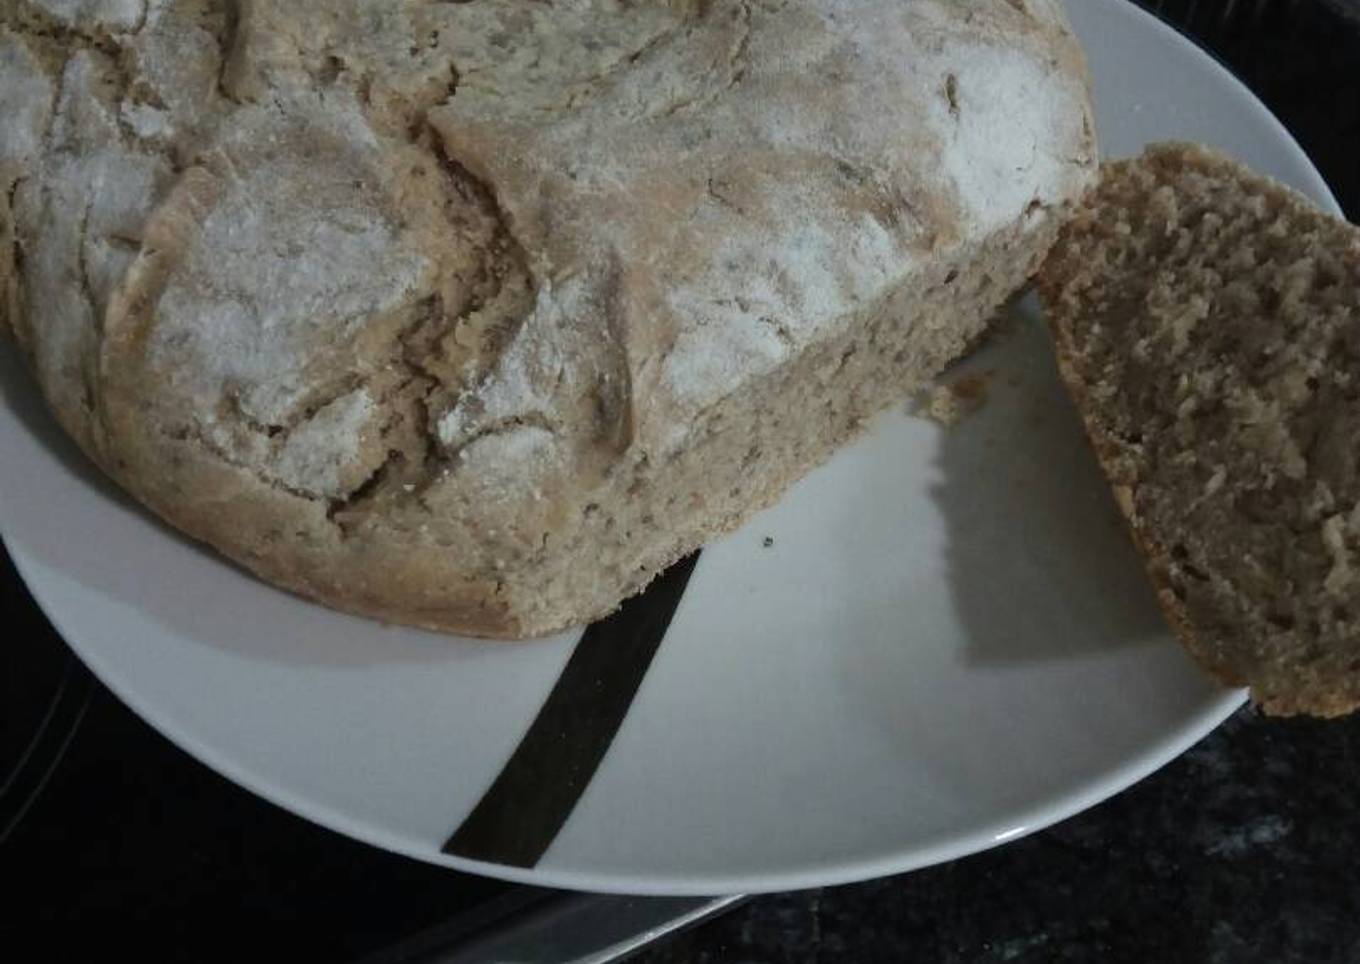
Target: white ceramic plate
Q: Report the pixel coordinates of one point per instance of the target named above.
(949, 644)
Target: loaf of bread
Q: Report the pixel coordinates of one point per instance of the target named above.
(476, 316)
(1207, 322)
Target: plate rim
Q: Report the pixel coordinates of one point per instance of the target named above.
(1022, 824)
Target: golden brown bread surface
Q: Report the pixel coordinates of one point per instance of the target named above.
(477, 315)
(1207, 322)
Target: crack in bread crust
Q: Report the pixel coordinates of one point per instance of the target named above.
(405, 287)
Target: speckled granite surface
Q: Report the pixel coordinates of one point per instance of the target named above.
(1247, 849)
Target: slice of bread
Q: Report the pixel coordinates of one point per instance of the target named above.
(1207, 322)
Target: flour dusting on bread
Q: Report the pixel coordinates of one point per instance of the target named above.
(478, 315)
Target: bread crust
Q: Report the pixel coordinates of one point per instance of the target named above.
(476, 316)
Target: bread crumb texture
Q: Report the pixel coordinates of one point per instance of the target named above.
(477, 315)
(1208, 323)
(951, 402)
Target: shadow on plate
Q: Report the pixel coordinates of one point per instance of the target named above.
(1031, 519)
(19, 393)
(1065, 670)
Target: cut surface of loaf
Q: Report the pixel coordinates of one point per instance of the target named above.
(476, 316)
(1207, 322)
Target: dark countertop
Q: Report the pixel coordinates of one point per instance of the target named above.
(1246, 849)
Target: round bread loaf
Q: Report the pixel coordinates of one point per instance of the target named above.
(477, 315)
